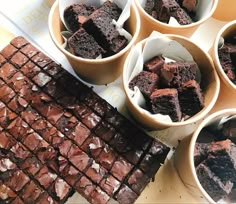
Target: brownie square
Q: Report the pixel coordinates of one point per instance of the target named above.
(96, 172)
(166, 102)
(121, 168)
(31, 192)
(182, 17)
(19, 42)
(31, 165)
(7, 71)
(99, 196)
(8, 51)
(85, 187)
(154, 64)
(18, 60)
(222, 157)
(212, 184)
(146, 82)
(84, 45)
(74, 13)
(29, 50)
(110, 185)
(18, 180)
(174, 74)
(99, 24)
(45, 177)
(71, 175)
(190, 98)
(126, 195)
(6, 195)
(138, 181)
(6, 93)
(107, 157)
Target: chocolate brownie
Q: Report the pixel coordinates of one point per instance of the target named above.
(163, 10)
(174, 74)
(76, 14)
(99, 25)
(65, 138)
(155, 64)
(190, 98)
(182, 16)
(84, 45)
(227, 60)
(165, 101)
(222, 156)
(229, 130)
(211, 183)
(146, 82)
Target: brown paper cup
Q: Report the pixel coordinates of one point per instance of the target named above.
(184, 158)
(98, 71)
(148, 24)
(227, 30)
(225, 10)
(210, 87)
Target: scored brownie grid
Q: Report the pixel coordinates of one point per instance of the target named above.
(29, 178)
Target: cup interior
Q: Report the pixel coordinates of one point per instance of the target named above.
(56, 26)
(227, 30)
(209, 83)
(210, 120)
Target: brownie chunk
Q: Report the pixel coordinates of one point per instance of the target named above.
(146, 82)
(165, 101)
(182, 17)
(229, 130)
(223, 156)
(174, 74)
(191, 98)
(226, 62)
(84, 45)
(165, 8)
(75, 14)
(155, 64)
(212, 184)
(99, 25)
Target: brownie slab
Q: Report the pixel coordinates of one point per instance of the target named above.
(59, 137)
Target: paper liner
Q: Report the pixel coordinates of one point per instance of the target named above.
(123, 4)
(203, 8)
(156, 44)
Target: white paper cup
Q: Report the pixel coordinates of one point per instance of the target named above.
(225, 10)
(148, 23)
(210, 86)
(227, 30)
(96, 71)
(184, 158)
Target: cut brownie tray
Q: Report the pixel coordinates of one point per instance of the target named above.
(58, 137)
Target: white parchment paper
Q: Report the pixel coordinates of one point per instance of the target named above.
(156, 44)
(203, 8)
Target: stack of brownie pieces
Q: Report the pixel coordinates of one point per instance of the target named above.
(215, 161)
(183, 11)
(94, 34)
(170, 88)
(58, 137)
(227, 57)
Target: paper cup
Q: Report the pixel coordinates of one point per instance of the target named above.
(148, 23)
(225, 10)
(96, 71)
(184, 158)
(227, 30)
(210, 87)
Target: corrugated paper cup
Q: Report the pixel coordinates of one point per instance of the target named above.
(228, 29)
(209, 83)
(97, 71)
(225, 10)
(184, 158)
(148, 23)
